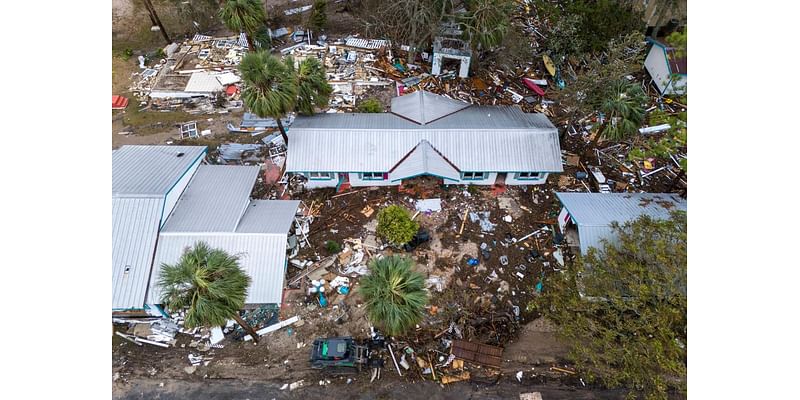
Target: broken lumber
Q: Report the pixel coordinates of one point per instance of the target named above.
(389, 346)
(455, 378)
(274, 327)
(463, 221)
(566, 371)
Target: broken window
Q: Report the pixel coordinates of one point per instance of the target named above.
(320, 175)
(528, 175)
(473, 176)
(372, 176)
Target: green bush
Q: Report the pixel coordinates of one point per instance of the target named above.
(394, 294)
(127, 54)
(371, 105)
(395, 225)
(318, 19)
(333, 247)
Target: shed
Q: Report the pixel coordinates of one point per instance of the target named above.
(668, 71)
(586, 218)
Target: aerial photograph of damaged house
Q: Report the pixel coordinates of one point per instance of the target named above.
(409, 199)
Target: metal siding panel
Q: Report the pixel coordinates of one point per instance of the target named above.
(134, 229)
(215, 199)
(150, 170)
(263, 258)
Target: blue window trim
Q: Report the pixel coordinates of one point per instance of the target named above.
(538, 176)
(379, 178)
(482, 178)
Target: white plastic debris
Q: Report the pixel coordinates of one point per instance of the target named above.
(519, 376)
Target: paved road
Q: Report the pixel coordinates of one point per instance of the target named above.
(242, 390)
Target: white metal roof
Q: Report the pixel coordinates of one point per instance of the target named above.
(424, 159)
(150, 170)
(215, 199)
(593, 213)
(263, 258)
(378, 150)
(268, 216)
(204, 82)
(424, 107)
(134, 229)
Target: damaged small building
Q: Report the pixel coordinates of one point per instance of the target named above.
(425, 134)
(585, 219)
(166, 199)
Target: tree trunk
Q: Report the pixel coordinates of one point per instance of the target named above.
(251, 46)
(249, 329)
(154, 16)
(283, 132)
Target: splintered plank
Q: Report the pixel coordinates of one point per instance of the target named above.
(479, 353)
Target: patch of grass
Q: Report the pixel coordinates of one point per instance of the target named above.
(150, 122)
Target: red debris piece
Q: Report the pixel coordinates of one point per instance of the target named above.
(118, 102)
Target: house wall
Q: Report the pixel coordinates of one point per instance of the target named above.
(320, 183)
(656, 66)
(175, 192)
(511, 180)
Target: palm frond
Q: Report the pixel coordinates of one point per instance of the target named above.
(394, 294)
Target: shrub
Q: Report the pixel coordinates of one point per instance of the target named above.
(395, 225)
(394, 294)
(127, 54)
(333, 247)
(371, 105)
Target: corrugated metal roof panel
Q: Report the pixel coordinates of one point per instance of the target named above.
(424, 159)
(134, 229)
(215, 199)
(424, 107)
(268, 216)
(593, 213)
(150, 170)
(377, 150)
(263, 258)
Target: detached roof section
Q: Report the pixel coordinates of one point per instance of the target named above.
(150, 170)
(215, 199)
(593, 213)
(676, 65)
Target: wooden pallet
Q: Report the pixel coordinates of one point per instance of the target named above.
(478, 353)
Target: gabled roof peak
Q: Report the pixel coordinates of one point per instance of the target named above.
(425, 107)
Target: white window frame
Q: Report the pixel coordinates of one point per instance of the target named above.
(320, 176)
(473, 176)
(529, 176)
(371, 176)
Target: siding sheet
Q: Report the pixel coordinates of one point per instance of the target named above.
(134, 229)
(593, 213)
(215, 199)
(424, 160)
(150, 170)
(268, 216)
(262, 256)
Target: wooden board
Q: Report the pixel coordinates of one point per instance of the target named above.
(548, 63)
(478, 353)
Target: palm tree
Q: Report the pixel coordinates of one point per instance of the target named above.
(270, 89)
(486, 22)
(245, 16)
(312, 86)
(622, 103)
(394, 294)
(210, 283)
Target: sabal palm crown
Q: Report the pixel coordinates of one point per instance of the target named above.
(209, 282)
(244, 16)
(623, 106)
(394, 294)
(313, 89)
(270, 89)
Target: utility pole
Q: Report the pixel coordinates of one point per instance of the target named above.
(154, 17)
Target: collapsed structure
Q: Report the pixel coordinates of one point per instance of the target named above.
(165, 199)
(425, 134)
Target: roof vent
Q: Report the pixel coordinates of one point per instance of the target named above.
(127, 268)
(180, 154)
